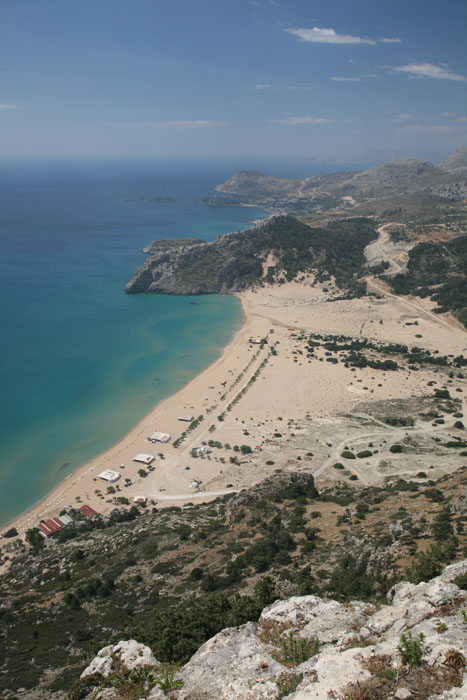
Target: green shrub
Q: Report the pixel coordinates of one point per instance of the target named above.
(295, 651)
(411, 648)
(347, 454)
(364, 453)
(396, 448)
(461, 581)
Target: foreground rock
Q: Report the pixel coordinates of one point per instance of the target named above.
(309, 648)
(129, 655)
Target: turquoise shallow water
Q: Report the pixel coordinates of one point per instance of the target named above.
(82, 362)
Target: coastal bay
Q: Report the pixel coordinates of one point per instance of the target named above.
(265, 395)
(82, 362)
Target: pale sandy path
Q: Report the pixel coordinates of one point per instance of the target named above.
(394, 432)
(378, 251)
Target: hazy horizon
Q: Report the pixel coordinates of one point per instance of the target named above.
(252, 81)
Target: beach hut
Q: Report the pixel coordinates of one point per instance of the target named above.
(187, 417)
(109, 475)
(160, 437)
(143, 458)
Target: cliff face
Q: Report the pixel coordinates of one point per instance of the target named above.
(310, 648)
(197, 267)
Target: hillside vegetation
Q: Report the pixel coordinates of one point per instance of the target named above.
(175, 577)
(236, 261)
(438, 270)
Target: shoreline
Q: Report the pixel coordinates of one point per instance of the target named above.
(45, 506)
(253, 394)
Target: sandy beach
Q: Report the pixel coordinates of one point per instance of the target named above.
(284, 388)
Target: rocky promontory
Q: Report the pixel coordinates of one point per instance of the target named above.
(278, 248)
(312, 648)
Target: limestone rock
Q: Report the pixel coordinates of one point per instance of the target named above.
(233, 665)
(453, 571)
(237, 664)
(334, 670)
(130, 654)
(313, 617)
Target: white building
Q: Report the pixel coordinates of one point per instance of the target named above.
(109, 475)
(144, 459)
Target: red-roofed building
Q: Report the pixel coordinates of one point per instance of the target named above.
(51, 526)
(88, 512)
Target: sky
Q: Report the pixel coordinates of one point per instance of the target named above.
(311, 80)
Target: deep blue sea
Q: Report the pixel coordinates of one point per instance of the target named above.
(81, 361)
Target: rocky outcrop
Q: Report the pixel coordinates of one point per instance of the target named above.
(129, 654)
(309, 648)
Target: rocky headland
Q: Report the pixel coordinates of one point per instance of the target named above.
(274, 250)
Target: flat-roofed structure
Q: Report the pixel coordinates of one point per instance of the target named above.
(143, 458)
(187, 417)
(66, 520)
(160, 437)
(109, 475)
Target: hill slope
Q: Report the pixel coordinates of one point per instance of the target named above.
(174, 578)
(241, 260)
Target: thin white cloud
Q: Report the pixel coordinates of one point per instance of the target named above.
(6, 106)
(404, 116)
(449, 114)
(328, 36)
(430, 70)
(339, 79)
(391, 40)
(293, 88)
(263, 86)
(186, 124)
(297, 121)
(433, 128)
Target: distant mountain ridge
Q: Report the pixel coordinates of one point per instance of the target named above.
(397, 177)
(456, 162)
